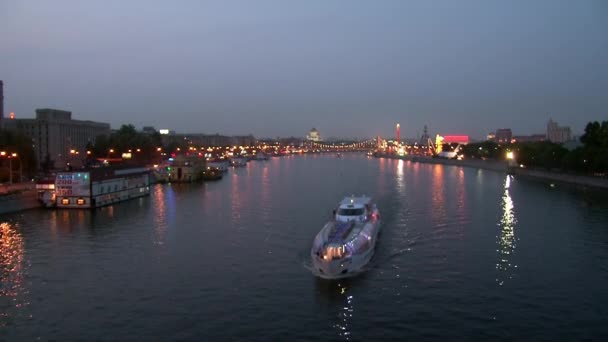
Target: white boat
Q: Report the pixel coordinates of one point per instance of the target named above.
(347, 242)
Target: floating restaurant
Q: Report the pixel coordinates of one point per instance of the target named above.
(96, 187)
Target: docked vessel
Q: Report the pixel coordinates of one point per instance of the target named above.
(96, 187)
(238, 162)
(211, 174)
(347, 242)
(219, 163)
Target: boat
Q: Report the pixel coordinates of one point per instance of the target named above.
(45, 188)
(238, 162)
(185, 169)
(219, 163)
(97, 187)
(211, 174)
(346, 243)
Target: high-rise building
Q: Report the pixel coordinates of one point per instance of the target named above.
(1, 104)
(503, 135)
(556, 133)
(58, 138)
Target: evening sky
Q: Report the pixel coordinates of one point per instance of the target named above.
(278, 68)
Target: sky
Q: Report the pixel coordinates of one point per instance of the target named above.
(278, 68)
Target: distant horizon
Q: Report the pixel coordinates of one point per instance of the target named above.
(575, 133)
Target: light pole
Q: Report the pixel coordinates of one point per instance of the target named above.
(10, 157)
(14, 155)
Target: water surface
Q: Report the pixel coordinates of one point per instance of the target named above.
(462, 252)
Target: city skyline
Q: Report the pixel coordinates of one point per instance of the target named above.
(271, 69)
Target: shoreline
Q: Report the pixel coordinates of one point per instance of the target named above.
(15, 202)
(498, 166)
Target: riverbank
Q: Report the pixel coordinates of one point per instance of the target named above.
(473, 163)
(502, 166)
(19, 201)
(564, 178)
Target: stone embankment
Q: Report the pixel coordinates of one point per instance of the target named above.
(502, 166)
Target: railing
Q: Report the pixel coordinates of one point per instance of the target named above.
(16, 187)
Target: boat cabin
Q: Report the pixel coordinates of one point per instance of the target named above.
(353, 209)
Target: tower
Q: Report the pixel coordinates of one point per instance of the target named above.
(424, 139)
(398, 133)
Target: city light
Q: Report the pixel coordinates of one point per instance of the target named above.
(510, 155)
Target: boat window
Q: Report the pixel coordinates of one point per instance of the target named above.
(334, 252)
(350, 212)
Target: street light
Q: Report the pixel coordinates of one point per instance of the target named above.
(10, 157)
(14, 155)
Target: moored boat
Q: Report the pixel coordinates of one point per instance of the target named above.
(347, 242)
(238, 162)
(211, 174)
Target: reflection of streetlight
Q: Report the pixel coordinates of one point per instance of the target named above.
(510, 155)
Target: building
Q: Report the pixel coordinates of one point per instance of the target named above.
(556, 133)
(528, 138)
(491, 136)
(313, 135)
(59, 138)
(503, 136)
(1, 104)
(148, 130)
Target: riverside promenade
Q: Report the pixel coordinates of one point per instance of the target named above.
(503, 166)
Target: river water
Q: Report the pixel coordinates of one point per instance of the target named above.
(462, 253)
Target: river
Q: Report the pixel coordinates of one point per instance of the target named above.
(462, 253)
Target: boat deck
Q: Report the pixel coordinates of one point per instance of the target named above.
(344, 231)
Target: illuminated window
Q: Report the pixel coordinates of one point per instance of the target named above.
(65, 201)
(80, 201)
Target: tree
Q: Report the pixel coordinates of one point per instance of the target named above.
(15, 142)
(595, 147)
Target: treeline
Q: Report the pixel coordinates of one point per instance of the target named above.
(590, 158)
(142, 146)
(14, 142)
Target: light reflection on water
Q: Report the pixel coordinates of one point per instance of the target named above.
(438, 202)
(160, 216)
(400, 178)
(506, 238)
(13, 268)
(345, 314)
